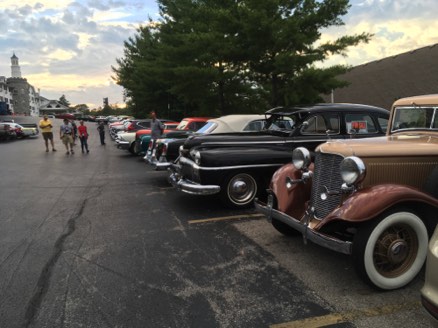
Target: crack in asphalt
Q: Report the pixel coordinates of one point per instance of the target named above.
(43, 283)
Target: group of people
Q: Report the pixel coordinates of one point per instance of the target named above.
(68, 133)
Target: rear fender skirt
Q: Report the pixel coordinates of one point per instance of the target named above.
(368, 203)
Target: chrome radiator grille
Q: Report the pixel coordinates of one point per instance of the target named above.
(326, 175)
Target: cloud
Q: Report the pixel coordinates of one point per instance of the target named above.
(398, 26)
(69, 46)
(383, 10)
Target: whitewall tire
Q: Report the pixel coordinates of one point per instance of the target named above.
(390, 252)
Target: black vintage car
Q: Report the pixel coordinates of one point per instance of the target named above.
(239, 166)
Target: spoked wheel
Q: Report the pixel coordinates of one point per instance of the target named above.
(390, 252)
(239, 190)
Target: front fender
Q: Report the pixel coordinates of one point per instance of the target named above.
(290, 201)
(368, 203)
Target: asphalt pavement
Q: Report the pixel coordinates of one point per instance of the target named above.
(102, 240)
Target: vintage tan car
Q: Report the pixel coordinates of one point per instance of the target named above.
(375, 199)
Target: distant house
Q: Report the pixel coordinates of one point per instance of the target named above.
(381, 82)
(52, 107)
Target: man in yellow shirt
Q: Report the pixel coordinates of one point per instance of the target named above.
(46, 129)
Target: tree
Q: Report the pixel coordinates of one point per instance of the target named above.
(142, 75)
(219, 57)
(81, 108)
(64, 101)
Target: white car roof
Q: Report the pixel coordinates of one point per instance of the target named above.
(234, 123)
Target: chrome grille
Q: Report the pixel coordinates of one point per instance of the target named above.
(326, 174)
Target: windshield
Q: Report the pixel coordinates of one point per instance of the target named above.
(207, 128)
(281, 122)
(411, 118)
(182, 125)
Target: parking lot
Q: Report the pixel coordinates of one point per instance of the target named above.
(102, 240)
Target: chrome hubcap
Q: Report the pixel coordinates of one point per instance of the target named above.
(239, 187)
(242, 189)
(398, 251)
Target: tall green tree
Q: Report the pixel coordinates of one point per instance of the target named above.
(134, 72)
(63, 100)
(217, 57)
(281, 43)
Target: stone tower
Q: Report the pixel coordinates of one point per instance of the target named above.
(15, 67)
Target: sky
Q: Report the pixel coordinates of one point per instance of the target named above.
(68, 47)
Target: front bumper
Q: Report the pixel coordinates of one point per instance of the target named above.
(191, 187)
(316, 237)
(122, 144)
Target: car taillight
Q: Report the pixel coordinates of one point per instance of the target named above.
(131, 127)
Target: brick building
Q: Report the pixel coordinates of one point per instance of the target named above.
(381, 82)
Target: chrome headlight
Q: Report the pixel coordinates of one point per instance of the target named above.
(301, 158)
(352, 170)
(197, 157)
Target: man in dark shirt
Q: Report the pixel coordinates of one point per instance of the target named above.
(101, 129)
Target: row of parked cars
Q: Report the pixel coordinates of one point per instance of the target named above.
(356, 179)
(9, 130)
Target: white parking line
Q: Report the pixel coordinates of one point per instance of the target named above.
(335, 318)
(225, 218)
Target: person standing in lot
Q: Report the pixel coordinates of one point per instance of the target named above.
(66, 133)
(46, 129)
(101, 129)
(83, 136)
(75, 131)
(157, 128)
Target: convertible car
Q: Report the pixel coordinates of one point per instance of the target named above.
(239, 166)
(166, 150)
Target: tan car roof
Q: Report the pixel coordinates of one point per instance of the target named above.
(234, 123)
(418, 100)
